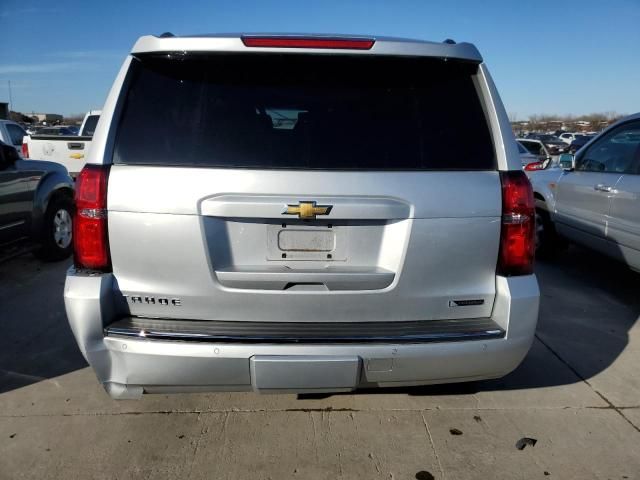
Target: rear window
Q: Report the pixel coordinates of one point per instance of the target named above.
(303, 112)
(90, 125)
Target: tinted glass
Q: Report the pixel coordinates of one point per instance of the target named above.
(16, 133)
(617, 152)
(303, 111)
(90, 125)
(60, 131)
(533, 147)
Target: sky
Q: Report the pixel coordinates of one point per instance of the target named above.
(546, 57)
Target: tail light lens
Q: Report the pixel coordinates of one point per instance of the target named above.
(25, 150)
(90, 241)
(517, 238)
(309, 42)
(534, 166)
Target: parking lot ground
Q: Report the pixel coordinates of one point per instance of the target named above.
(577, 394)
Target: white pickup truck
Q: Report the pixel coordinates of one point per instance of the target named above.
(68, 150)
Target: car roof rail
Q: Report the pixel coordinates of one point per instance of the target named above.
(449, 41)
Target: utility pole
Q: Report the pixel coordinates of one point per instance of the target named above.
(10, 96)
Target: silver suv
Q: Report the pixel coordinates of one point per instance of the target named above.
(299, 213)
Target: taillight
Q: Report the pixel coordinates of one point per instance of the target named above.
(517, 238)
(90, 241)
(309, 42)
(25, 150)
(534, 166)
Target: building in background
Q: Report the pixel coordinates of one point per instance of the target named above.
(4, 111)
(47, 117)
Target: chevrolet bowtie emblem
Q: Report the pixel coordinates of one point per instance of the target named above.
(307, 210)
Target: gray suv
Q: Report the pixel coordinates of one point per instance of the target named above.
(594, 200)
(300, 214)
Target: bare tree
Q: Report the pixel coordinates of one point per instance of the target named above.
(595, 121)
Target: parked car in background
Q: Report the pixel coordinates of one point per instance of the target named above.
(568, 137)
(33, 129)
(36, 205)
(579, 142)
(536, 148)
(595, 199)
(285, 255)
(89, 123)
(60, 145)
(58, 130)
(553, 144)
(526, 157)
(12, 133)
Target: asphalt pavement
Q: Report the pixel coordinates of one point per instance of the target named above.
(571, 410)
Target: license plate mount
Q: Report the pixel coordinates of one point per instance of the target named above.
(304, 373)
(302, 242)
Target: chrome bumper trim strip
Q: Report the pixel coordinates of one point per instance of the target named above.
(422, 331)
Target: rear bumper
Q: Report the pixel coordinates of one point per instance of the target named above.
(129, 366)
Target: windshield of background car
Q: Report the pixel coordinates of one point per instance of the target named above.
(303, 112)
(614, 152)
